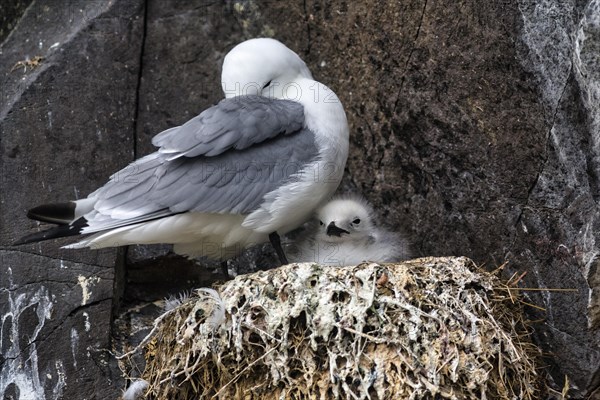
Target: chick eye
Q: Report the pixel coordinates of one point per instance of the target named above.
(356, 221)
(320, 222)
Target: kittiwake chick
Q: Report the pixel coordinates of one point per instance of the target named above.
(344, 232)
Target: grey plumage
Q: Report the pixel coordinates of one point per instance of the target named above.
(224, 179)
(237, 123)
(242, 172)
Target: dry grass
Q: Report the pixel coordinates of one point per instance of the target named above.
(423, 329)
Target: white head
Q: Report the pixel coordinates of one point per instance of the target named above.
(261, 67)
(345, 219)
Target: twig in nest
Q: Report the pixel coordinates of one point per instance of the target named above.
(242, 371)
(149, 336)
(32, 63)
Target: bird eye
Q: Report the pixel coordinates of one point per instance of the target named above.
(320, 222)
(356, 221)
(267, 84)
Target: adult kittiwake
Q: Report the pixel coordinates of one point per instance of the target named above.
(346, 234)
(244, 171)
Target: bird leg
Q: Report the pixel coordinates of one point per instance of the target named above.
(225, 269)
(276, 243)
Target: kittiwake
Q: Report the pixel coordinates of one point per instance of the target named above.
(244, 171)
(344, 233)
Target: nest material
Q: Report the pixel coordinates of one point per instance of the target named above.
(423, 329)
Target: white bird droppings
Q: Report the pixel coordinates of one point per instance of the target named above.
(85, 284)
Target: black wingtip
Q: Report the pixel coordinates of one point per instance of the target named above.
(53, 233)
(56, 213)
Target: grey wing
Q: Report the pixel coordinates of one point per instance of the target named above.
(235, 180)
(237, 122)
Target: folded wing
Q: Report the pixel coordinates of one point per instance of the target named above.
(237, 123)
(223, 161)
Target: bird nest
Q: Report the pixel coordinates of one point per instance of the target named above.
(432, 328)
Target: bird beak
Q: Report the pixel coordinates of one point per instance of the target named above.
(333, 230)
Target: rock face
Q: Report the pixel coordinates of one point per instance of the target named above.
(474, 127)
(68, 73)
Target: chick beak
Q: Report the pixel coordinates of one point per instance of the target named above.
(333, 230)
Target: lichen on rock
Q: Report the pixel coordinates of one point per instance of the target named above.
(427, 328)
